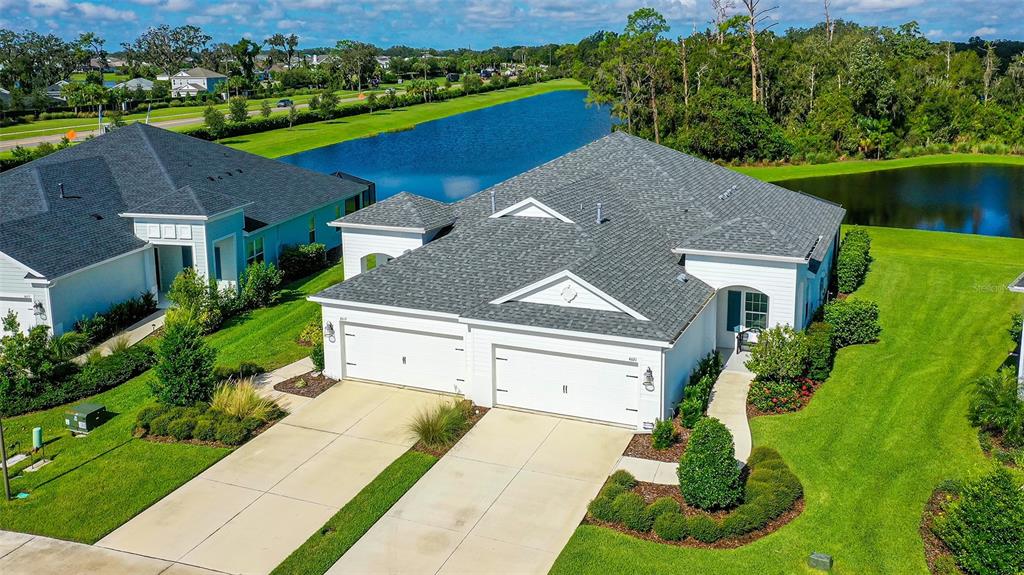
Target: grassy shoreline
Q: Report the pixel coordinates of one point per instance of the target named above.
(797, 171)
(276, 143)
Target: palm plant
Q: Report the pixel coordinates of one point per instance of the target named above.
(995, 406)
(68, 345)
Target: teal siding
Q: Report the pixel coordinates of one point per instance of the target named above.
(219, 229)
(296, 232)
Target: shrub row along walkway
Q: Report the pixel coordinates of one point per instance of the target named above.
(250, 510)
(729, 402)
(505, 499)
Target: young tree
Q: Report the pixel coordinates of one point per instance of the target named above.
(185, 362)
(238, 109)
(709, 477)
(293, 115)
(371, 101)
(265, 109)
(215, 121)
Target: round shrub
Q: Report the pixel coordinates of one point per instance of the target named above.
(746, 518)
(160, 424)
(147, 414)
(623, 478)
(661, 506)
(709, 477)
(761, 454)
(631, 510)
(612, 490)
(231, 432)
(704, 529)
(181, 428)
(206, 429)
(664, 434)
(671, 526)
(602, 509)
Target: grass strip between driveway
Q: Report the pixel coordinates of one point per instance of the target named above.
(352, 521)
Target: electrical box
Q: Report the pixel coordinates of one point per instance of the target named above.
(84, 417)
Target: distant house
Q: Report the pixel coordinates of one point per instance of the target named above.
(123, 213)
(195, 81)
(135, 84)
(384, 62)
(5, 98)
(55, 90)
(318, 59)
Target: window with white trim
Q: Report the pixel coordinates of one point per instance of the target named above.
(755, 310)
(253, 250)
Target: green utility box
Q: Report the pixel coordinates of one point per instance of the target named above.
(84, 417)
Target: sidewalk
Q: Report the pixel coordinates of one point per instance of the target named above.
(729, 403)
(134, 334)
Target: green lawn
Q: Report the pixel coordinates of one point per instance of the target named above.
(778, 173)
(308, 136)
(326, 546)
(98, 482)
(881, 433)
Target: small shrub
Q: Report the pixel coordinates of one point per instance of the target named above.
(671, 526)
(820, 351)
(316, 355)
(1016, 326)
(853, 260)
(704, 529)
(259, 285)
(184, 372)
(313, 332)
(780, 354)
(104, 373)
(159, 425)
(984, 526)
(774, 396)
(853, 321)
(205, 429)
(181, 428)
(632, 512)
(664, 434)
(147, 414)
(996, 408)
(611, 490)
(241, 400)
(231, 432)
(302, 260)
(623, 478)
(746, 518)
(602, 509)
(662, 505)
(441, 425)
(708, 475)
(761, 454)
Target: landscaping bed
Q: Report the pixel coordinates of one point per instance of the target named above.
(473, 414)
(641, 446)
(936, 553)
(309, 384)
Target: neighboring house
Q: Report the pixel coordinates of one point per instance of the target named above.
(590, 286)
(55, 91)
(134, 84)
(383, 61)
(195, 81)
(5, 98)
(124, 213)
(1018, 286)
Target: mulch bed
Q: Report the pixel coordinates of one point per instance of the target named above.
(805, 400)
(934, 548)
(998, 446)
(169, 439)
(309, 384)
(478, 414)
(652, 491)
(640, 446)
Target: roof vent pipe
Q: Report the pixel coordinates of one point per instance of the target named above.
(599, 218)
(61, 186)
(493, 209)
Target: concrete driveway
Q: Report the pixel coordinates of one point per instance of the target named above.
(505, 499)
(249, 511)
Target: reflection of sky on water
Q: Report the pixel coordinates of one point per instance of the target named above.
(451, 158)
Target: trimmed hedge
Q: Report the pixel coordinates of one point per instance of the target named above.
(101, 326)
(671, 526)
(631, 510)
(704, 529)
(820, 351)
(853, 261)
(708, 475)
(302, 260)
(698, 391)
(853, 321)
(198, 422)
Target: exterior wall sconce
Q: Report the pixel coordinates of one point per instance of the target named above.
(39, 311)
(649, 380)
(329, 332)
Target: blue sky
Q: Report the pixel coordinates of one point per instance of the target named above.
(475, 23)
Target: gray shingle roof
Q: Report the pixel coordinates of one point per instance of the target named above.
(404, 210)
(653, 200)
(143, 169)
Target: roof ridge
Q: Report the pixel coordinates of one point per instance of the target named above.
(155, 155)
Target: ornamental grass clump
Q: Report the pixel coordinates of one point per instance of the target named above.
(241, 400)
(442, 425)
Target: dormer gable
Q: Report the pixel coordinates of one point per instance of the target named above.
(531, 208)
(568, 290)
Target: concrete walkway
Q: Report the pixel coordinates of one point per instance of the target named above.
(729, 402)
(254, 507)
(22, 554)
(505, 499)
(133, 334)
(650, 471)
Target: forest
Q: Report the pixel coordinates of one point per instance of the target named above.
(738, 91)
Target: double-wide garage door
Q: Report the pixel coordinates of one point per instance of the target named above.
(402, 357)
(602, 390)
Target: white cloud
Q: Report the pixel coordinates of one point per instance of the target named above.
(177, 5)
(198, 20)
(933, 34)
(984, 31)
(91, 11)
(864, 6)
(287, 24)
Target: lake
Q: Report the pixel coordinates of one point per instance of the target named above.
(451, 158)
(968, 198)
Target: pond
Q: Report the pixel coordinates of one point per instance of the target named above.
(968, 198)
(451, 158)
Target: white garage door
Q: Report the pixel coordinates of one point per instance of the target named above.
(22, 307)
(413, 358)
(577, 386)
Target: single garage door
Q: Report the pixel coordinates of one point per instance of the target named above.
(572, 385)
(402, 357)
(22, 308)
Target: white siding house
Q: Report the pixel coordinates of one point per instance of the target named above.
(529, 296)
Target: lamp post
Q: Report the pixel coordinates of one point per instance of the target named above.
(3, 462)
